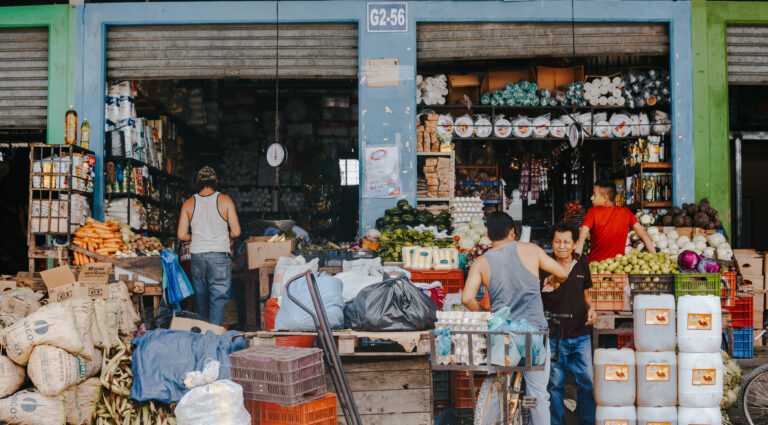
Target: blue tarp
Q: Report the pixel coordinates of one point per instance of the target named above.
(294, 318)
(162, 358)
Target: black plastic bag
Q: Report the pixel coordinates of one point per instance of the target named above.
(391, 305)
(166, 314)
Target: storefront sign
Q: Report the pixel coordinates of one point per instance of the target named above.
(387, 17)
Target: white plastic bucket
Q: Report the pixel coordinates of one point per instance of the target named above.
(623, 415)
(656, 379)
(694, 416)
(657, 415)
(615, 377)
(700, 379)
(654, 322)
(699, 324)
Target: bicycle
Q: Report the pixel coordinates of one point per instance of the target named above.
(501, 397)
(753, 395)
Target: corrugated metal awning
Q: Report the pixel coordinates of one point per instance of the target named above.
(501, 40)
(327, 50)
(23, 77)
(747, 54)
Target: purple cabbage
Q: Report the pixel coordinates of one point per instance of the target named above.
(688, 260)
(708, 265)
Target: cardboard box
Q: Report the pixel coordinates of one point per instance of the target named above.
(498, 80)
(94, 277)
(749, 262)
(460, 85)
(757, 320)
(557, 78)
(757, 282)
(192, 325)
(62, 285)
(759, 341)
(262, 253)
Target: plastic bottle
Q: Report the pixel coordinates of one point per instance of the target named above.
(654, 322)
(70, 126)
(692, 416)
(609, 415)
(699, 324)
(700, 379)
(657, 415)
(656, 379)
(85, 134)
(615, 377)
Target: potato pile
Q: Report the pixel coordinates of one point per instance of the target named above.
(143, 243)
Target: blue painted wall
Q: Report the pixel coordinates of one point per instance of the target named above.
(387, 115)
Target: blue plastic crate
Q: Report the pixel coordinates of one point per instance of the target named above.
(743, 343)
(367, 342)
(441, 385)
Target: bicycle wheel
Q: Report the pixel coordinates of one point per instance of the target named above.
(753, 397)
(490, 404)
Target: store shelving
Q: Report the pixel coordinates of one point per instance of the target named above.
(639, 168)
(479, 183)
(453, 176)
(537, 139)
(434, 200)
(434, 153)
(540, 108)
(644, 205)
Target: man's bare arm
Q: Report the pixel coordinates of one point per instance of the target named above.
(472, 284)
(182, 232)
(548, 264)
(583, 233)
(643, 234)
(234, 223)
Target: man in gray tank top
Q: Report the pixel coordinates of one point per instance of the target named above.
(510, 273)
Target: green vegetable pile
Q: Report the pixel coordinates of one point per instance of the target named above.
(636, 263)
(393, 241)
(404, 215)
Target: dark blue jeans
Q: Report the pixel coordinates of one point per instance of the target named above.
(575, 355)
(211, 278)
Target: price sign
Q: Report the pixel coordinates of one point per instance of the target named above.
(387, 17)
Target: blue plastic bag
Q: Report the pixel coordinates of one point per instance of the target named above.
(175, 281)
(501, 322)
(162, 358)
(291, 317)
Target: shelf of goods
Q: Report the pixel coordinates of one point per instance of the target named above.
(61, 182)
(490, 190)
(437, 177)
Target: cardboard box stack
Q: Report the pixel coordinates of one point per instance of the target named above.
(752, 268)
(437, 174)
(426, 135)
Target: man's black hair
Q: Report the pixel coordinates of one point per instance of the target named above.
(565, 226)
(609, 186)
(206, 177)
(499, 225)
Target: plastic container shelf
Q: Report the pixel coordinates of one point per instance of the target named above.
(452, 280)
(317, 412)
(609, 292)
(741, 313)
(697, 284)
(651, 284)
(743, 344)
(286, 375)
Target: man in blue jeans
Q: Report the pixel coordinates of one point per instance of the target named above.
(574, 342)
(213, 220)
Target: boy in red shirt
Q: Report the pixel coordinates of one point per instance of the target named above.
(608, 225)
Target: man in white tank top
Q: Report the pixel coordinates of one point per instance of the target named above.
(213, 221)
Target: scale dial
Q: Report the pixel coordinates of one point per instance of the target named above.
(276, 155)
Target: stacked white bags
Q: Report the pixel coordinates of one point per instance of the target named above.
(431, 90)
(604, 91)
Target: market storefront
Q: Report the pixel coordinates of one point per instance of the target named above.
(729, 40)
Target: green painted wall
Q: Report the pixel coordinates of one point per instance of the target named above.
(61, 21)
(710, 95)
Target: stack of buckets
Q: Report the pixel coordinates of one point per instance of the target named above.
(656, 379)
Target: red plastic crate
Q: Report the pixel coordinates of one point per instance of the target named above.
(452, 280)
(609, 292)
(461, 392)
(317, 412)
(728, 289)
(741, 313)
(626, 341)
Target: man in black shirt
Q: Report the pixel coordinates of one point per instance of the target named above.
(574, 342)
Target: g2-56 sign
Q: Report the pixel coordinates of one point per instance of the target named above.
(387, 17)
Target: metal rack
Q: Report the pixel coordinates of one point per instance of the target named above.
(56, 173)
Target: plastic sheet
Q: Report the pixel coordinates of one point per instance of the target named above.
(293, 318)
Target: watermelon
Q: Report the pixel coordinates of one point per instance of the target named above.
(403, 204)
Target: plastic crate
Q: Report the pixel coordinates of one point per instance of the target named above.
(697, 284)
(461, 392)
(299, 341)
(741, 313)
(728, 289)
(285, 375)
(360, 255)
(626, 341)
(368, 342)
(464, 416)
(743, 343)
(651, 284)
(441, 385)
(317, 412)
(609, 292)
(452, 280)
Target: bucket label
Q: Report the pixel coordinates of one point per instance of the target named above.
(657, 316)
(704, 376)
(657, 423)
(616, 372)
(699, 322)
(616, 422)
(657, 372)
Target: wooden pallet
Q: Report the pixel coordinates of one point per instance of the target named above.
(348, 342)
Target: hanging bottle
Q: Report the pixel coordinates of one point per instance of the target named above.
(85, 134)
(70, 126)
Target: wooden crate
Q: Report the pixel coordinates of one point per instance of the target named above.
(389, 390)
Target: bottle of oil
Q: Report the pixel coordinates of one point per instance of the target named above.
(85, 134)
(70, 126)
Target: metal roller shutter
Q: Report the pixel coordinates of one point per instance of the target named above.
(496, 40)
(231, 51)
(747, 54)
(23, 77)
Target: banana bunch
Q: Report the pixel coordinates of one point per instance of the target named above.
(277, 238)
